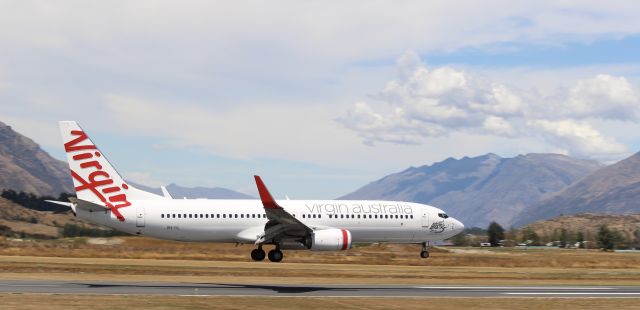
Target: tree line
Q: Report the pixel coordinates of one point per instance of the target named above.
(605, 238)
(35, 202)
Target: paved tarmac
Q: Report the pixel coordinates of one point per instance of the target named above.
(320, 290)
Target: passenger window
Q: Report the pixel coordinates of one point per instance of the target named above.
(173, 215)
(235, 215)
(303, 216)
(319, 216)
(411, 216)
(162, 215)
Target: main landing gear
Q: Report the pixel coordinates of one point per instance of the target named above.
(424, 253)
(258, 254)
(275, 255)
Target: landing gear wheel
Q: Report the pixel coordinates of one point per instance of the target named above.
(424, 254)
(275, 256)
(258, 254)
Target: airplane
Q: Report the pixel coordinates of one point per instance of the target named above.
(105, 198)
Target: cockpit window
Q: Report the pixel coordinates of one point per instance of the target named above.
(443, 215)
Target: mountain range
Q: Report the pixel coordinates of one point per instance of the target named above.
(24, 166)
(614, 189)
(481, 189)
(179, 192)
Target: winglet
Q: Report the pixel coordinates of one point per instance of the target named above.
(165, 192)
(267, 200)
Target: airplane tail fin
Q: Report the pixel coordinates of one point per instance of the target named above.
(94, 178)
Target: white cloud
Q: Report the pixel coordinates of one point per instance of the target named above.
(434, 102)
(285, 131)
(603, 96)
(498, 126)
(579, 138)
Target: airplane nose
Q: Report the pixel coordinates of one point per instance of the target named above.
(458, 227)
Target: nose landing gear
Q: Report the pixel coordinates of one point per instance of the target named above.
(424, 253)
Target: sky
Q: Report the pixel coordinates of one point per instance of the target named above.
(320, 97)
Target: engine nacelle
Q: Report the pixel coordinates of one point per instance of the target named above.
(330, 240)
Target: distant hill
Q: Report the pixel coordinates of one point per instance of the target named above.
(614, 189)
(588, 224)
(481, 189)
(24, 166)
(178, 192)
(16, 219)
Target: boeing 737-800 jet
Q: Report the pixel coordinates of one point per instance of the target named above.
(103, 197)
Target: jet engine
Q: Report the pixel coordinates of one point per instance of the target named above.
(330, 240)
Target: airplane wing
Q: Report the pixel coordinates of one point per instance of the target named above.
(281, 225)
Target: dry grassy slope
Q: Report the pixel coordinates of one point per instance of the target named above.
(24, 166)
(20, 220)
(588, 223)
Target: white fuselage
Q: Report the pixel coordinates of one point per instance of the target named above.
(242, 221)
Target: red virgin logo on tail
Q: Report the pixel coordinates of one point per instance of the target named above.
(99, 182)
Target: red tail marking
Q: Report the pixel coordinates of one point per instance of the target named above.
(94, 190)
(267, 200)
(345, 239)
(97, 178)
(72, 145)
(82, 156)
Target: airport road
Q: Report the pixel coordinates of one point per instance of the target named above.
(321, 290)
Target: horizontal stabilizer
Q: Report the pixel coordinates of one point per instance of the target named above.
(90, 206)
(62, 203)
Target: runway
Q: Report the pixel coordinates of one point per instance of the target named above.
(229, 289)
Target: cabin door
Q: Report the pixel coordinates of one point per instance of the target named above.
(425, 220)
